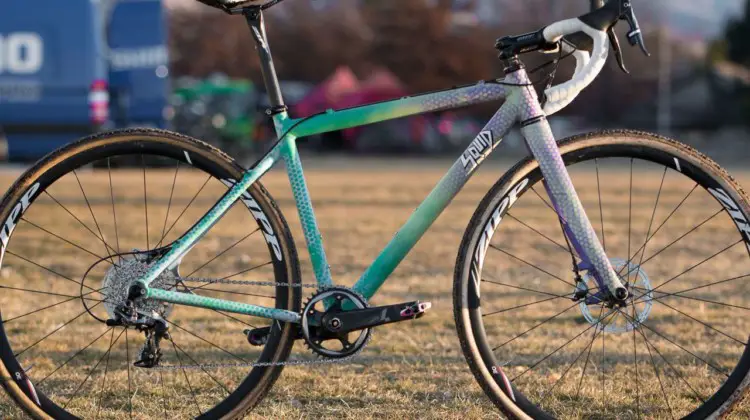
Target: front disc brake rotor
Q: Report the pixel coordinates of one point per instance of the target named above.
(637, 306)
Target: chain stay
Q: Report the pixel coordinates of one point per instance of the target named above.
(257, 364)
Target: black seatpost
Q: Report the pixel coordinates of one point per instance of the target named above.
(254, 17)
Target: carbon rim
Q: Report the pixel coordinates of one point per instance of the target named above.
(554, 379)
(88, 358)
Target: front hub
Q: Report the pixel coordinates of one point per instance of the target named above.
(596, 305)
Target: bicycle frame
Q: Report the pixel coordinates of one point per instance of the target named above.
(521, 106)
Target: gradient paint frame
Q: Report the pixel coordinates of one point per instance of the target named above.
(521, 107)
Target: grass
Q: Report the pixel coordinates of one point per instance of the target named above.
(409, 370)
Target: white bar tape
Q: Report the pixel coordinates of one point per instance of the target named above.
(582, 59)
(558, 97)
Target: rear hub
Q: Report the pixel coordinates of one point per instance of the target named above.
(117, 281)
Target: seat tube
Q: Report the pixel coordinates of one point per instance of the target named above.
(541, 142)
(310, 228)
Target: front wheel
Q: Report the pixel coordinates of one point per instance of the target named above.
(540, 340)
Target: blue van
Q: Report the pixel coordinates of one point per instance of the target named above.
(138, 63)
(53, 74)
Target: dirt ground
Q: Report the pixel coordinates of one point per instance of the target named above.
(409, 370)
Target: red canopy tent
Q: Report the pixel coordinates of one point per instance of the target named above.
(329, 92)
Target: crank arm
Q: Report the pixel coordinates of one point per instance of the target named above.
(359, 319)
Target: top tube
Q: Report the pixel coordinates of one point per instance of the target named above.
(332, 120)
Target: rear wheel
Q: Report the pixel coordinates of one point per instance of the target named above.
(76, 230)
(543, 344)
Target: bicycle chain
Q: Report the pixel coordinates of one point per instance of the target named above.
(243, 282)
(248, 364)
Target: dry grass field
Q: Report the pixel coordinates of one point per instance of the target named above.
(409, 370)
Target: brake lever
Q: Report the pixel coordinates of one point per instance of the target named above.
(635, 36)
(616, 47)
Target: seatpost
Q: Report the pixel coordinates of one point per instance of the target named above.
(254, 17)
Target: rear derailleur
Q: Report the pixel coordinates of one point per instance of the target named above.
(153, 326)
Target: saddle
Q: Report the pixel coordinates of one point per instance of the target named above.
(230, 4)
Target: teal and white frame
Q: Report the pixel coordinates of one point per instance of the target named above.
(521, 106)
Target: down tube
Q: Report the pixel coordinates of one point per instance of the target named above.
(443, 193)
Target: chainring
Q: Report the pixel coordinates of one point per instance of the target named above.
(326, 302)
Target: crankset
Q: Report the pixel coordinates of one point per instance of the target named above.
(337, 322)
(339, 314)
(343, 322)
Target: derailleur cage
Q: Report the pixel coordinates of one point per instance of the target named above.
(150, 354)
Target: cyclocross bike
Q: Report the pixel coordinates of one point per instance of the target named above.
(637, 311)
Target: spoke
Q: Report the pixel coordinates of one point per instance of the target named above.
(661, 225)
(112, 196)
(525, 305)
(247, 270)
(234, 318)
(702, 323)
(658, 377)
(539, 233)
(223, 252)
(55, 294)
(524, 288)
(190, 387)
(673, 242)
(91, 372)
(203, 369)
(70, 299)
(49, 269)
(679, 293)
(63, 239)
(184, 210)
(169, 204)
(630, 217)
(648, 343)
(588, 356)
(546, 203)
(145, 199)
(570, 366)
(230, 276)
(106, 368)
(635, 364)
(75, 355)
(106, 246)
(535, 326)
(562, 347)
(601, 212)
(127, 364)
(237, 293)
(99, 229)
(54, 331)
(729, 305)
(206, 341)
(531, 265)
(711, 365)
(650, 223)
(695, 266)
